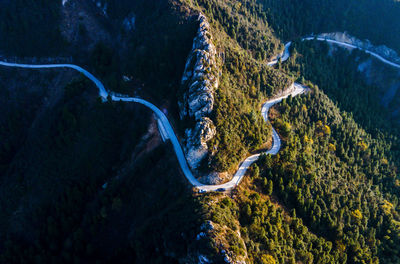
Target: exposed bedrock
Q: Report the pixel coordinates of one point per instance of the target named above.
(199, 82)
(196, 140)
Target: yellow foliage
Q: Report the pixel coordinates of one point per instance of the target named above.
(396, 224)
(327, 130)
(362, 145)
(387, 207)
(267, 259)
(253, 91)
(308, 140)
(332, 147)
(287, 127)
(340, 246)
(397, 182)
(357, 214)
(304, 108)
(384, 161)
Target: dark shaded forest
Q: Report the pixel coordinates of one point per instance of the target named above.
(376, 20)
(31, 27)
(77, 180)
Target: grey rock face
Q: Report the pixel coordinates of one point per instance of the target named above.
(196, 138)
(200, 75)
(200, 80)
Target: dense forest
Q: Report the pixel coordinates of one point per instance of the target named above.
(329, 196)
(85, 181)
(376, 20)
(340, 179)
(30, 27)
(154, 51)
(77, 179)
(343, 82)
(267, 232)
(244, 85)
(337, 171)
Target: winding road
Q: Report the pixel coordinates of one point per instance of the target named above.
(168, 132)
(347, 45)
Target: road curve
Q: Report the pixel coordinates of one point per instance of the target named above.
(283, 56)
(343, 44)
(276, 144)
(166, 125)
(167, 128)
(286, 54)
(104, 94)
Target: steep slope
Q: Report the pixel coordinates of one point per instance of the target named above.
(359, 83)
(338, 178)
(74, 187)
(244, 83)
(98, 184)
(199, 81)
(368, 19)
(349, 194)
(72, 167)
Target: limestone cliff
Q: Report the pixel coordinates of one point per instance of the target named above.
(199, 81)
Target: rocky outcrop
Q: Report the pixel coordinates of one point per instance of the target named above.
(215, 178)
(199, 81)
(196, 140)
(382, 50)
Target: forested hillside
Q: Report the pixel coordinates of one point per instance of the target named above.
(337, 171)
(86, 181)
(30, 27)
(252, 25)
(340, 179)
(72, 185)
(155, 49)
(75, 178)
(337, 70)
(376, 20)
(245, 82)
